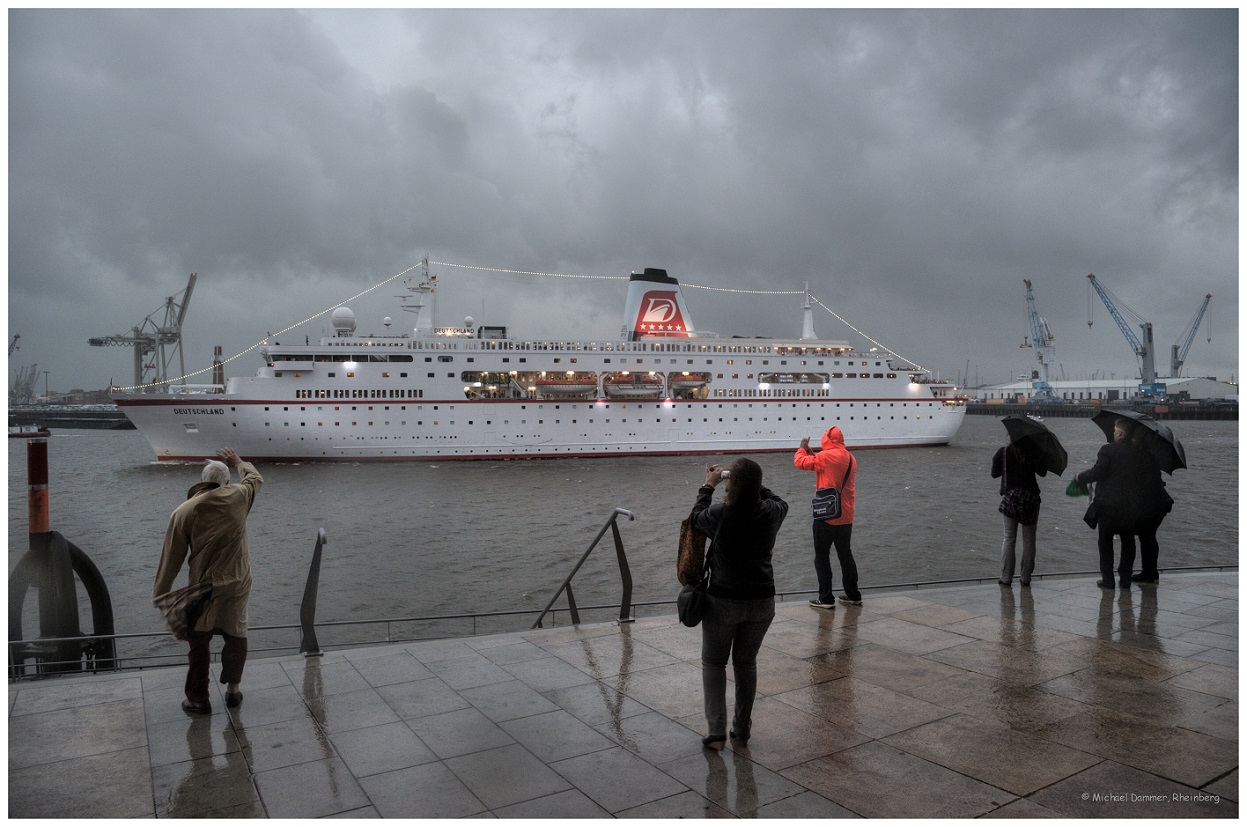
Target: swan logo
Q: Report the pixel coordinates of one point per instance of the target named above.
(660, 313)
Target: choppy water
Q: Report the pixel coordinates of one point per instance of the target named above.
(427, 538)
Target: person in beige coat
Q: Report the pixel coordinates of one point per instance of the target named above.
(211, 527)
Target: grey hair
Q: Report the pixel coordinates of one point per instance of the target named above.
(217, 472)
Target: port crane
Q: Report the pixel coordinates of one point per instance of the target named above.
(1144, 348)
(1178, 357)
(23, 391)
(13, 345)
(1042, 338)
(161, 342)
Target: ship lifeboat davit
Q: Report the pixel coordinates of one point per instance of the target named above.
(569, 386)
(633, 386)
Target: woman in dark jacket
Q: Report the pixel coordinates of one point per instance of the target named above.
(1019, 503)
(741, 596)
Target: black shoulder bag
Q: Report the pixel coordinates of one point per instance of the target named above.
(826, 502)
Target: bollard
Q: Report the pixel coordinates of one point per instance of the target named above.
(49, 566)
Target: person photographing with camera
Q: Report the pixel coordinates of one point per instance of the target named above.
(740, 599)
(834, 467)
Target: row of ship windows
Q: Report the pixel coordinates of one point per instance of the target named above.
(352, 359)
(622, 405)
(673, 421)
(418, 393)
(360, 393)
(587, 347)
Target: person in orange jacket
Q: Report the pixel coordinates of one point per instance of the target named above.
(833, 465)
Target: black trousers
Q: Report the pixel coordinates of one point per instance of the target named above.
(841, 536)
(1107, 532)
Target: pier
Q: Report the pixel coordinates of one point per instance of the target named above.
(1057, 700)
(1227, 411)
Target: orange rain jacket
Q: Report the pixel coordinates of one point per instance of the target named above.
(829, 466)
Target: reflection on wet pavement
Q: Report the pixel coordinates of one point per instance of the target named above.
(1060, 699)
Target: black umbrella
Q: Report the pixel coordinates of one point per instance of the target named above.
(1158, 439)
(1040, 444)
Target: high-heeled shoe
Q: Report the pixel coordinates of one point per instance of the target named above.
(714, 742)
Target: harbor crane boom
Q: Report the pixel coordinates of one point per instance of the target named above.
(1042, 337)
(161, 341)
(1178, 357)
(1143, 349)
(13, 345)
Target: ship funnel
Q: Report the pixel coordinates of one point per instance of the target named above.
(655, 307)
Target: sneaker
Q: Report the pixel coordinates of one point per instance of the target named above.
(818, 604)
(851, 602)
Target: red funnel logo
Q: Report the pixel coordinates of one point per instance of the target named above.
(660, 314)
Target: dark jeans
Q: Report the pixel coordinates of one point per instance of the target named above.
(1107, 532)
(233, 657)
(735, 628)
(825, 536)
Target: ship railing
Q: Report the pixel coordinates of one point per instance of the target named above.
(151, 650)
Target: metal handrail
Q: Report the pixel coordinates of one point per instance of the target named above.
(179, 657)
(625, 574)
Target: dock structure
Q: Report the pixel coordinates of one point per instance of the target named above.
(1061, 699)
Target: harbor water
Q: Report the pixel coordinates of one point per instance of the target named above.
(421, 538)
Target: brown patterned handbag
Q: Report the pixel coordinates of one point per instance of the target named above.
(692, 555)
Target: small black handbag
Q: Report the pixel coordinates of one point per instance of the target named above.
(691, 604)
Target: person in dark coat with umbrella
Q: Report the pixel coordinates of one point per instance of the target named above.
(1119, 468)
(1156, 503)
(1019, 503)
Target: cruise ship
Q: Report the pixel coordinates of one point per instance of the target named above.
(476, 392)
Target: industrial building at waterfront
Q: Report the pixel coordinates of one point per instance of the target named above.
(1091, 391)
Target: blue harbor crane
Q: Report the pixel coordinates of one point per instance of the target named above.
(1187, 337)
(1042, 338)
(1142, 349)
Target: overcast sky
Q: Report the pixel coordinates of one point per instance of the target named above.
(913, 166)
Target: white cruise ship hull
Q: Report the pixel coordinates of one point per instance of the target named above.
(457, 394)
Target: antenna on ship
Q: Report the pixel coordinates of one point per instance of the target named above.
(807, 327)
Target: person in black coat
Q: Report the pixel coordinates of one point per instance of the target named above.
(1156, 503)
(1015, 465)
(1118, 472)
(740, 600)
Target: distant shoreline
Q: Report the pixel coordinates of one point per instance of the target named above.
(1175, 411)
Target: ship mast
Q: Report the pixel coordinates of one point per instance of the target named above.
(807, 327)
(418, 302)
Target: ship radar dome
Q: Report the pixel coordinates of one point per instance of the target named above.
(343, 321)
(468, 321)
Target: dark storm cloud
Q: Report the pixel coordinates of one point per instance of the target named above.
(913, 166)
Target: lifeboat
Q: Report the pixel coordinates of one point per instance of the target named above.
(570, 385)
(688, 381)
(633, 386)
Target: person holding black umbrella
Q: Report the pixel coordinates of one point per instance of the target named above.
(1156, 503)
(1119, 469)
(1032, 449)
(1019, 503)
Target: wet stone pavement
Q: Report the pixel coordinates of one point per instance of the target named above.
(1060, 700)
